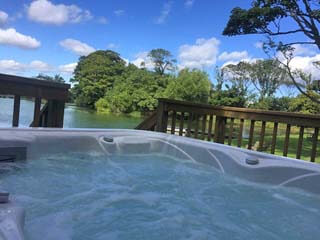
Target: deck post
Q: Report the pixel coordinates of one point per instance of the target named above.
(220, 129)
(162, 117)
(55, 113)
(16, 111)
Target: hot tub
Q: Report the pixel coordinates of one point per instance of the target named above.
(121, 184)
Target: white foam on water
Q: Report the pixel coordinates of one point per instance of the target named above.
(92, 196)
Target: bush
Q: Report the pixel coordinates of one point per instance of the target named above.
(273, 103)
(189, 85)
(303, 104)
(232, 97)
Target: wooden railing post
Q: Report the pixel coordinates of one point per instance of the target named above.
(219, 132)
(36, 114)
(162, 117)
(16, 111)
(55, 113)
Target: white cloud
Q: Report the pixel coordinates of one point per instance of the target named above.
(14, 67)
(304, 50)
(258, 45)
(103, 20)
(40, 66)
(164, 13)
(305, 64)
(142, 57)
(45, 11)
(11, 66)
(119, 12)
(11, 37)
(188, 3)
(112, 46)
(68, 68)
(3, 18)
(200, 55)
(232, 56)
(77, 47)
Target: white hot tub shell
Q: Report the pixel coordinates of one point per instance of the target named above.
(245, 164)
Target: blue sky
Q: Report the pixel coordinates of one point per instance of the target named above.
(49, 36)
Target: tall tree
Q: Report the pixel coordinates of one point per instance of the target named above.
(162, 60)
(267, 17)
(95, 74)
(271, 17)
(136, 91)
(265, 75)
(189, 85)
(238, 75)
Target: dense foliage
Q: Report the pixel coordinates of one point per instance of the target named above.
(56, 78)
(299, 19)
(266, 76)
(95, 75)
(189, 85)
(268, 17)
(136, 90)
(105, 82)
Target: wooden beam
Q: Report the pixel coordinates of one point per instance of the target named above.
(181, 124)
(300, 142)
(314, 144)
(36, 113)
(16, 111)
(286, 140)
(251, 132)
(274, 137)
(173, 123)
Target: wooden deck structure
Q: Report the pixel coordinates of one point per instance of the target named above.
(53, 94)
(218, 124)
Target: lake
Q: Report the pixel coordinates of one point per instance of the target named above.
(74, 117)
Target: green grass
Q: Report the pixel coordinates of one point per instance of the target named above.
(293, 142)
(292, 149)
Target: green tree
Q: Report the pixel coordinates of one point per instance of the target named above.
(136, 90)
(273, 103)
(271, 18)
(237, 75)
(189, 85)
(232, 97)
(162, 60)
(224, 95)
(95, 75)
(265, 75)
(303, 104)
(56, 78)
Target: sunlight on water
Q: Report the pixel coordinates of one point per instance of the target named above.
(88, 196)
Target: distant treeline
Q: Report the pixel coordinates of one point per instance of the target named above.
(105, 82)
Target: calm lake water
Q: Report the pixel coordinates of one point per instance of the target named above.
(74, 117)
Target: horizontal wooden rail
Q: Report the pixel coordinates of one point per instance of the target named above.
(54, 94)
(227, 124)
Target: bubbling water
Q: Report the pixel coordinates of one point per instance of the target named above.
(89, 196)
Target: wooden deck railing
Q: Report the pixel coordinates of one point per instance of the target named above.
(55, 95)
(226, 125)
